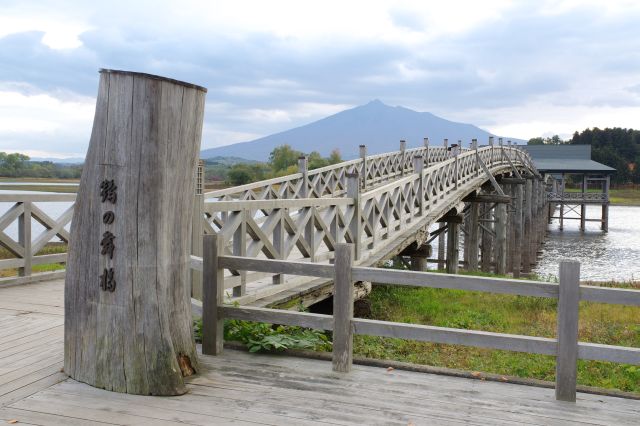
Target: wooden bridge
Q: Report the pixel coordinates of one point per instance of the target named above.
(296, 239)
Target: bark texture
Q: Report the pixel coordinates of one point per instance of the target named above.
(135, 334)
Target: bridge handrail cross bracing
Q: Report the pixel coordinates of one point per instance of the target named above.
(303, 217)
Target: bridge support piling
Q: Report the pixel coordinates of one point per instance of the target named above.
(501, 238)
(583, 206)
(518, 231)
(442, 247)
(472, 237)
(510, 190)
(453, 252)
(419, 256)
(604, 224)
(487, 238)
(526, 244)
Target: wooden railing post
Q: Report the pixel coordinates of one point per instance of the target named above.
(567, 355)
(24, 238)
(212, 295)
(474, 146)
(343, 309)
(240, 249)
(418, 167)
(279, 241)
(491, 154)
(426, 153)
(197, 229)
(363, 172)
(355, 226)
(403, 158)
(302, 168)
(456, 168)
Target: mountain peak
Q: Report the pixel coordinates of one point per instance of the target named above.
(378, 126)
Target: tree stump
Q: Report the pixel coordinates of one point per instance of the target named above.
(128, 325)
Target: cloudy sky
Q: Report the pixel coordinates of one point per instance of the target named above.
(516, 68)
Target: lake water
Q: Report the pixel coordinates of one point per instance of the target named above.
(603, 256)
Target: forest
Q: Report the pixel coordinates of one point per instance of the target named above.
(616, 147)
(19, 166)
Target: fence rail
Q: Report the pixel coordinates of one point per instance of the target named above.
(565, 347)
(26, 248)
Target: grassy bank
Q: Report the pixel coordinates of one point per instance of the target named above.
(618, 197)
(50, 248)
(599, 323)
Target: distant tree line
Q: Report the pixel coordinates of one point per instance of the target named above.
(283, 161)
(616, 147)
(19, 165)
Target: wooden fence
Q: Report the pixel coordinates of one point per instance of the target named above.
(566, 347)
(262, 220)
(24, 207)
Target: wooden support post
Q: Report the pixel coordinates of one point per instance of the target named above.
(363, 169)
(197, 229)
(583, 206)
(24, 239)
(487, 239)
(526, 245)
(518, 231)
(342, 357)
(240, 249)
(278, 241)
(533, 243)
(442, 247)
(446, 143)
(212, 296)
(509, 189)
(418, 167)
(562, 203)
(474, 230)
(426, 153)
(567, 356)
(453, 252)
(501, 238)
(355, 226)
(605, 207)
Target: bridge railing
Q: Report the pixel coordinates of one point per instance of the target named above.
(330, 181)
(597, 197)
(23, 250)
(565, 347)
(309, 228)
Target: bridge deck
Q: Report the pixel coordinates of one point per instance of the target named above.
(242, 388)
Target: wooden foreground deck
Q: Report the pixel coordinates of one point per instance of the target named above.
(241, 388)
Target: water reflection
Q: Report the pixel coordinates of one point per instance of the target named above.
(603, 256)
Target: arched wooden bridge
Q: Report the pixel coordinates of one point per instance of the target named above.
(385, 205)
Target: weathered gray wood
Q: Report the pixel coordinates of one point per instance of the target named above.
(501, 239)
(617, 296)
(528, 229)
(472, 240)
(343, 309)
(610, 353)
(518, 229)
(453, 250)
(212, 296)
(277, 316)
(138, 337)
(355, 225)
(442, 246)
(24, 239)
(455, 336)
(455, 282)
(487, 237)
(567, 355)
(273, 266)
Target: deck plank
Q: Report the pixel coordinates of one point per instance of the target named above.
(248, 389)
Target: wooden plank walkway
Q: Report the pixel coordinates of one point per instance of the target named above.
(242, 388)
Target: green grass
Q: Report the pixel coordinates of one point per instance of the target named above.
(599, 323)
(50, 248)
